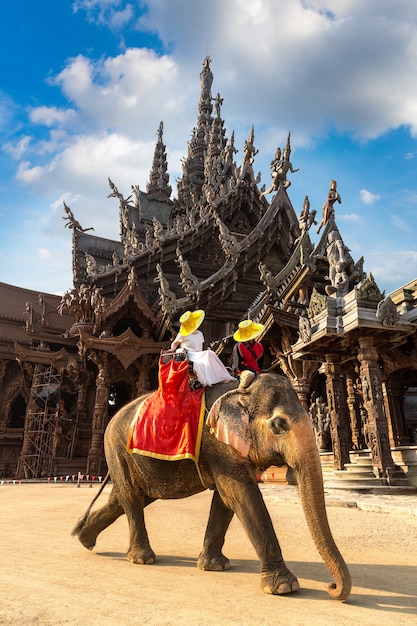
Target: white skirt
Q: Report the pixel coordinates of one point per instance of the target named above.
(208, 368)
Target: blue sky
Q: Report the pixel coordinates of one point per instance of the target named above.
(84, 85)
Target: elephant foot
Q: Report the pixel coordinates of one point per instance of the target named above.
(211, 561)
(141, 557)
(279, 583)
(87, 536)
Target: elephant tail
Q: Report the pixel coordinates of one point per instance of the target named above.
(81, 522)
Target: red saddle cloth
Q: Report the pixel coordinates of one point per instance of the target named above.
(169, 423)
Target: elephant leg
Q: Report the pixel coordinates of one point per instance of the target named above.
(133, 502)
(211, 557)
(88, 528)
(246, 500)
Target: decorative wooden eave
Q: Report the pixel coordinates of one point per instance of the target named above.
(127, 347)
(273, 316)
(289, 279)
(338, 328)
(245, 245)
(130, 292)
(59, 360)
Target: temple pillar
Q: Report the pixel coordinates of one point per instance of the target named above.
(302, 388)
(353, 407)
(375, 421)
(299, 371)
(100, 414)
(144, 366)
(394, 407)
(338, 409)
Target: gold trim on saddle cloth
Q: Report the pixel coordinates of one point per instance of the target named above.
(168, 425)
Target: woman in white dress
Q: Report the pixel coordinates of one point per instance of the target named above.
(206, 364)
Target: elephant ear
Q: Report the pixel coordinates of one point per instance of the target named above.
(229, 420)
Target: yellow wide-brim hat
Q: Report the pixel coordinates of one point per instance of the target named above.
(190, 321)
(248, 330)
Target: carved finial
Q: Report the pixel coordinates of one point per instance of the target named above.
(158, 187)
(72, 223)
(287, 149)
(167, 298)
(267, 278)
(189, 282)
(229, 243)
(249, 153)
(369, 290)
(132, 279)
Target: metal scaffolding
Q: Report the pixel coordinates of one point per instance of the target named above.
(40, 424)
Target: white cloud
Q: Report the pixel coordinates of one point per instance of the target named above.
(307, 64)
(16, 151)
(400, 223)
(367, 197)
(113, 13)
(392, 267)
(44, 254)
(50, 116)
(348, 217)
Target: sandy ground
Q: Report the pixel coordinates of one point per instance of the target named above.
(48, 578)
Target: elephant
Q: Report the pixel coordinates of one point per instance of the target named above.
(251, 426)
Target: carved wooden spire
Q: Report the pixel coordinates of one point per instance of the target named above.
(190, 186)
(158, 187)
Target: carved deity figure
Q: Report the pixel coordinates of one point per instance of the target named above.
(320, 417)
(85, 303)
(229, 152)
(306, 218)
(158, 231)
(304, 328)
(218, 101)
(280, 168)
(386, 312)
(328, 208)
(206, 78)
(338, 257)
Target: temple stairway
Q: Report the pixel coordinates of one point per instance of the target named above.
(358, 476)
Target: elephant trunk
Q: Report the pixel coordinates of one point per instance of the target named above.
(310, 482)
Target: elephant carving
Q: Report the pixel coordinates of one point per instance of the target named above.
(249, 428)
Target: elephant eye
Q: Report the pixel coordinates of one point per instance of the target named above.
(280, 426)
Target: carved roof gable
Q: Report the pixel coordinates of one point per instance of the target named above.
(130, 293)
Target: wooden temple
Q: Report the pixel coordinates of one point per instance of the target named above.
(237, 249)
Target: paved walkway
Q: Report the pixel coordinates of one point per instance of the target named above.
(381, 503)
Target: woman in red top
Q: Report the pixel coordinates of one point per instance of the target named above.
(248, 353)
